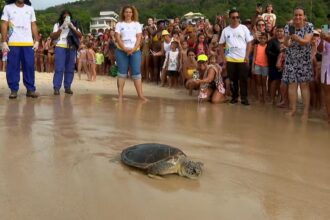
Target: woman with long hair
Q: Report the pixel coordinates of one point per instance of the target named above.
(200, 45)
(65, 51)
(39, 57)
(128, 34)
(145, 47)
(269, 15)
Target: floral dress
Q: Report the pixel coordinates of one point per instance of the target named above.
(217, 83)
(298, 62)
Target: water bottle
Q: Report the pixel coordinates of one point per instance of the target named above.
(195, 75)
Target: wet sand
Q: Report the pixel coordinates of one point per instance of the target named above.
(59, 158)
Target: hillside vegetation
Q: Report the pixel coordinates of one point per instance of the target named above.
(83, 10)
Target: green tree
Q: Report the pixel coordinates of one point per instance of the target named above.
(83, 10)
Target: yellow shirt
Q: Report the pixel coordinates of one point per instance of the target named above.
(99, 58)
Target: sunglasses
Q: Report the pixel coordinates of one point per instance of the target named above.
(235, 17)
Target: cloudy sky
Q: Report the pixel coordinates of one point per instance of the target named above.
(42, 4)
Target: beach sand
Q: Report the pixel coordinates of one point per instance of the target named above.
(60, 157)
(103, 85)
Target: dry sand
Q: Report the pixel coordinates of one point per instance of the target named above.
(103, 85)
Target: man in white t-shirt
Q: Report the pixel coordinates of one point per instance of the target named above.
(235, 44)
(18, 26)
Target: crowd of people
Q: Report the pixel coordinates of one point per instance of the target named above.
(226, 60)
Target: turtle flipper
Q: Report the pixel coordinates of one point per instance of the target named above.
(155, 177)
(162, 168)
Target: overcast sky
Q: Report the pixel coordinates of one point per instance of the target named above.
(42, 4)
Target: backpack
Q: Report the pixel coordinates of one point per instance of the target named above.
(72, 39)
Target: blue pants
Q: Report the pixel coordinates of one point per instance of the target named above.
(125, 61)
(16, 57)
(65, 59)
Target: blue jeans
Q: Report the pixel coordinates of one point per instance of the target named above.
(65, 60)
(16, 57)
(125, 61)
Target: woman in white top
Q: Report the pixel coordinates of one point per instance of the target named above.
(65, 54)
(128, 34)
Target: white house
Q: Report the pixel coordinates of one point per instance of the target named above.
(107, 20)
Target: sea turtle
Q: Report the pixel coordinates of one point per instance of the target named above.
(160, 159)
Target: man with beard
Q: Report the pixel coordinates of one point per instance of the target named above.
(18, 26)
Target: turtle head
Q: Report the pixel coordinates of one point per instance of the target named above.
(191, 169)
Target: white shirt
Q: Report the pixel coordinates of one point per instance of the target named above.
(128, 32)
(167, 46)
(172, 58)
(62, 40)
(236, 40)
(269, 17)
(20, 19)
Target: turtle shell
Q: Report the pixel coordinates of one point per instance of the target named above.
(144, 155)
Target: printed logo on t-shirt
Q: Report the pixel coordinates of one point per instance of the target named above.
(11, 29)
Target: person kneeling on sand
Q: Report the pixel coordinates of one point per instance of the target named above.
(211, 85)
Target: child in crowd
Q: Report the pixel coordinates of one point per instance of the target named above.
(284, 103)
(99, 61)
(200, 46)
(213, 60)
(260, 66)
(82, 62)
(49, 53)
(91, 62)
(183, 59)
(172, 64)
(145, 49)
(315, 84)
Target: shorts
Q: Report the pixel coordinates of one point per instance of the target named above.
(261, 70)
(126, 62)
(274, 74)
(172, 73)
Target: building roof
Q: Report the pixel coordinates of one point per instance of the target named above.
(109, 13)
(104, 18)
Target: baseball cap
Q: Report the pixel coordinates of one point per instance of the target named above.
(202, 58)
(165, 32)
